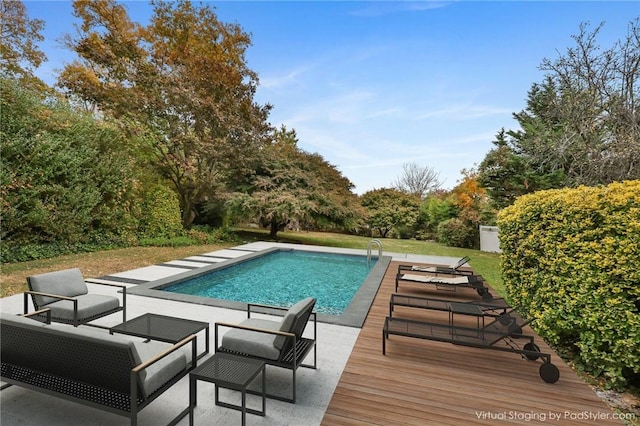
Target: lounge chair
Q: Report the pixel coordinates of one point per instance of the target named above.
(447, 283)
(453, 269)
(277, 343)
(489, 308)
(67, 296)
(505, 329)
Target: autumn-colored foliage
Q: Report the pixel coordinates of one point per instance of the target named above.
(182, 81)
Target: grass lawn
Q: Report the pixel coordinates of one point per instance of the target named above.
(14, 275)
(119, 260)
(483, 263)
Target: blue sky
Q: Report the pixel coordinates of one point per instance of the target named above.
(372, 85)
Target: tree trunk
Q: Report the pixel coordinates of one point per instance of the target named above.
(273, 229)
(188, 215)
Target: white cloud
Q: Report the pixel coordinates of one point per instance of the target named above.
(382, 8)
(464, 112)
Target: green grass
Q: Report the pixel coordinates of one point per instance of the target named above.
(112, 261)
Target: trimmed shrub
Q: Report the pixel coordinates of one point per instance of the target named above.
(456, 233)
(161, 214)
(570, 260)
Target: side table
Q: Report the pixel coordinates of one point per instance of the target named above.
(231, 372)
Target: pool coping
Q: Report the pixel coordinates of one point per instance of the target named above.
(353, 316)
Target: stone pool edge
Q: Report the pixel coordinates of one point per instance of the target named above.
(353, 316)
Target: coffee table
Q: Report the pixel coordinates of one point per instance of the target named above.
(163, 328)
(230, 372)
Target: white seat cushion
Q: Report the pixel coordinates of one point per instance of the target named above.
(89, 305)
(162, 371)
(253, 342)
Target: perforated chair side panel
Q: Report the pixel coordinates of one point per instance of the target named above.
(76, 359)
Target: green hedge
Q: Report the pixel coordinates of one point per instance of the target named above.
(570, 259)
(64, 176)
(456, 233)
(161, 214)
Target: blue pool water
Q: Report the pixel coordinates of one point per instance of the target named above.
(282, 278)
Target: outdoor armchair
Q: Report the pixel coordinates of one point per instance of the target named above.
(277, 343)
(66, 295)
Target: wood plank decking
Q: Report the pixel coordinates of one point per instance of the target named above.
(421, 382)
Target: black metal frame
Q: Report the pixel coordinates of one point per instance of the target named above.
(222, 375)
(506, 328)
(489, 308)
(291, 356)
(186, 327)
(76, 321)
(82, 370)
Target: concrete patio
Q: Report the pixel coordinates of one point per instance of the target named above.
(315, 387)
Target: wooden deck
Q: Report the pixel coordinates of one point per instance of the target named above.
(422, 382)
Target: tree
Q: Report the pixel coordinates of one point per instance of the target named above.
(436, 208)
(389, 209)
(509, 170)
(597, 103)
(182, 81)
(470, 201)
(580, 125)
(502, 172)
(417, 180)
(293, 186)
(19, 35)
(468, 193)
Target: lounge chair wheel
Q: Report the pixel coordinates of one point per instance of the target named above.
(549, 372)
(533, 348)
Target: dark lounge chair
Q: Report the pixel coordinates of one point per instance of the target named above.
(67, 296)
(277, 343)
(500, 334)
(489, 308)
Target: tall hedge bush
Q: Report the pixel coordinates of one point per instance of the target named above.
(160, 216)
(570, 259)
(65, 177)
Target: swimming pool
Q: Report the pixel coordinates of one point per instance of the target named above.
(282, 278)
(344, 284)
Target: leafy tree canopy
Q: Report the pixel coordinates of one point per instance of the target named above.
(182, 81)
(291, 186)
(19, 53)
(388, 208)
(580, 126)
(436, 208)
(52, 186)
